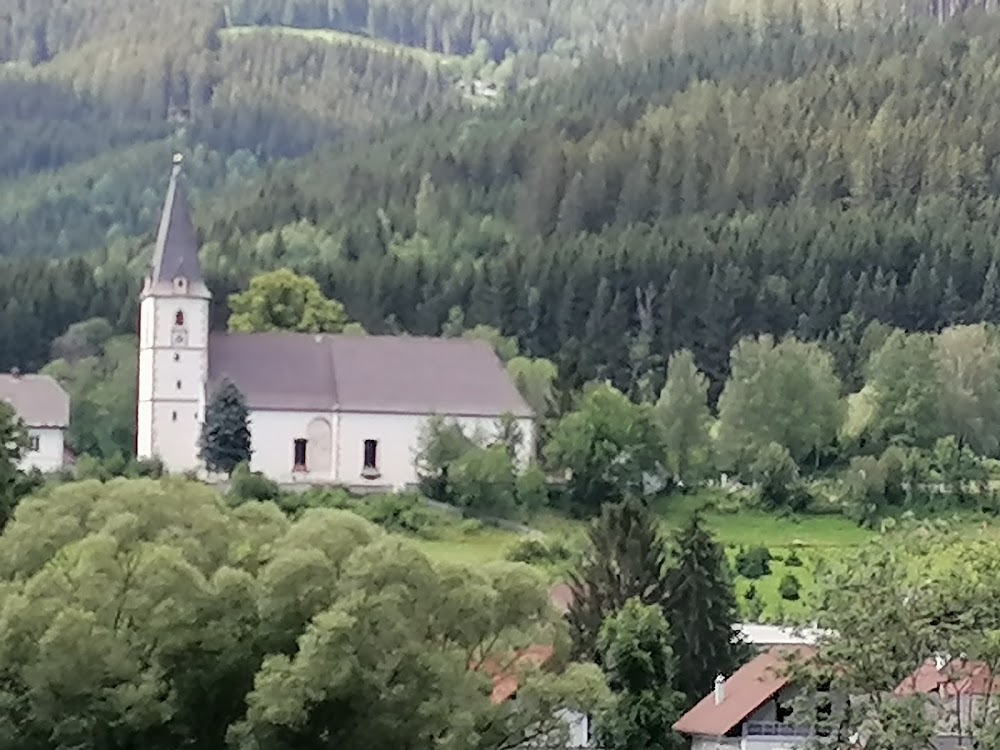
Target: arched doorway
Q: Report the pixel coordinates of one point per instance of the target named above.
(320, 458)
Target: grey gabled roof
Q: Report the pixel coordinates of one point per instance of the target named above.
(373, 374)
(176, 252)
(38, 399)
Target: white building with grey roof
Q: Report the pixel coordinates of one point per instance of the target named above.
(347, 410)
(42, 404)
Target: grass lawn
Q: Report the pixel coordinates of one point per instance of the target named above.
(811, 537)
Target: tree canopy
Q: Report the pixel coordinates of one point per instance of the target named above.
(149, 612)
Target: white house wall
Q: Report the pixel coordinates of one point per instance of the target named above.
(715, 743)
(399, 440)
(273, 436)
(49, 456)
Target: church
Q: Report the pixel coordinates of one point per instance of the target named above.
(324, 409)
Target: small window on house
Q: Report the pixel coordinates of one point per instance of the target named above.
(178, 385)
(179, 284)
(179, 318)
(371, 456)
(177, 357)
(299, 459)
(173, 416)
(34, 442)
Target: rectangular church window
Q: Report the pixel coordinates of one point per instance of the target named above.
(34, 443)
(371, 454)
(300, 455)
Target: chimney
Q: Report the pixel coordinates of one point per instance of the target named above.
(16, 373)
(720, 689)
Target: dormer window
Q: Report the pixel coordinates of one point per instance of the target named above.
(179, 318)
(180, 284)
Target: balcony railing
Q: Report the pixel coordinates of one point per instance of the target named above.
(774, 729)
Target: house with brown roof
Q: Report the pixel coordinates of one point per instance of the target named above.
(350, 410)
(960, 696)
(752, 708)
(506, 678)
(43, 406)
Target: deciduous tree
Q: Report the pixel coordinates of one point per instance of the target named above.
(608, 446)
(682, 411)
(639, 663)
(284, 301)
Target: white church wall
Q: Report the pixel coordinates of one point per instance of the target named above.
(273, 435)
(398, 438)
(45, 451)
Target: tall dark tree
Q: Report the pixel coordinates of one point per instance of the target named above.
(701, 608)
(225, 436)
(13, 445)
(625, 559)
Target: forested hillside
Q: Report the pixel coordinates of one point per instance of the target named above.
(797, 169)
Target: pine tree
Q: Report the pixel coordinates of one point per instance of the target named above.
(625, 558)
(701, 608)
(225, 435)
(988, 308)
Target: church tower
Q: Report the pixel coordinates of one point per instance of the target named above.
(173, 340)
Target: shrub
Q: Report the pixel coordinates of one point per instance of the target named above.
(538, 550)
(404, 513)
(754, 607)
(789, 588)
(246, 485)
(793, 560)
(754, 562)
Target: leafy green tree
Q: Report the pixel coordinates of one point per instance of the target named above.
(535, 380)
(919, 590)
(777, 477)
(442, 443)
(174, 620)
(638, 661)
(284, 301)
(701, 608)
(785, 393)
(906, 390)
(225, 433)
(100, 377)
(608, 446)
(968, 363)
(682, 411)
(482, 481)
(625, 558)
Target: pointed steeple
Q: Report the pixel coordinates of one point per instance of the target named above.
(175, 264)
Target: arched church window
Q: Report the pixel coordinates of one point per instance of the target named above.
(179, 318)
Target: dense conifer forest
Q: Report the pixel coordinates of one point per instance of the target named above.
(634, 181)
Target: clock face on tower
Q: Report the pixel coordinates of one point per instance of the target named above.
(180, 337)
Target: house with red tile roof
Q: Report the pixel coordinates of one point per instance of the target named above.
(324, 409)
(752, 708)
(960, 695)
(506, 681)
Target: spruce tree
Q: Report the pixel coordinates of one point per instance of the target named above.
(225, 435)
(701, 608)
(625, 559)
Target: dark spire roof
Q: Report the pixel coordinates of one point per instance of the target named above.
(176, 254)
